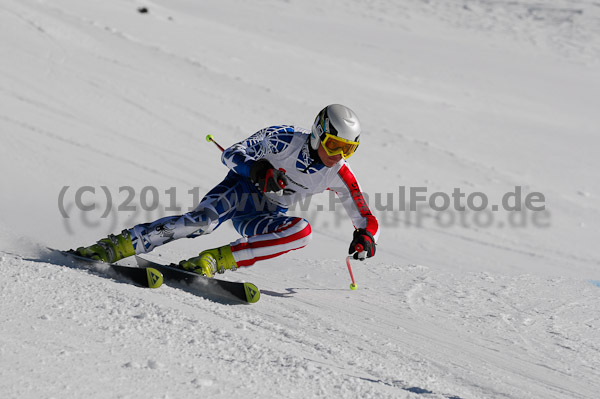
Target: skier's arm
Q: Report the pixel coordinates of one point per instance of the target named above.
(365, 223)
(241, 156)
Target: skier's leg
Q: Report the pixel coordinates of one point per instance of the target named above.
(271, 235)
(218, 205)
(268, 236)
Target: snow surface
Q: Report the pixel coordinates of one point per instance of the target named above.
(471, 94)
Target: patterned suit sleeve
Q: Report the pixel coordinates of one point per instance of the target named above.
(354, 202)
(271, 140)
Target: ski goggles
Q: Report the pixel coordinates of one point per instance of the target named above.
(334, 145)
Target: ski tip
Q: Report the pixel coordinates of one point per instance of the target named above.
(252, 293)
(155, 278)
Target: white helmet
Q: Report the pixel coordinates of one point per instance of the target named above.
(337, 120)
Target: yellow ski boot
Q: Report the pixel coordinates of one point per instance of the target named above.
(109, 249)
(211, 261)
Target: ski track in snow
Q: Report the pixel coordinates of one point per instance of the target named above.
(515, 337)
(97, 93)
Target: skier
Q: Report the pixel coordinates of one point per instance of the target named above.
(269, 171)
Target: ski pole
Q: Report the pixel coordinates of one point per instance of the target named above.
(357, 248)
(210, 138)
(353, 286)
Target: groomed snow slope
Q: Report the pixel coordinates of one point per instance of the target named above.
(477, 95)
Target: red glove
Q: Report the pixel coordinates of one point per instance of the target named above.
(363, 245)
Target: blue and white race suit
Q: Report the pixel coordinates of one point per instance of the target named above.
(260, 218)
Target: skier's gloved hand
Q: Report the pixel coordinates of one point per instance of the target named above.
(266, 178)
(363, 245)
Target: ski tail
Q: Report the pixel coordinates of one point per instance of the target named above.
(252, 293)
(154, 278)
